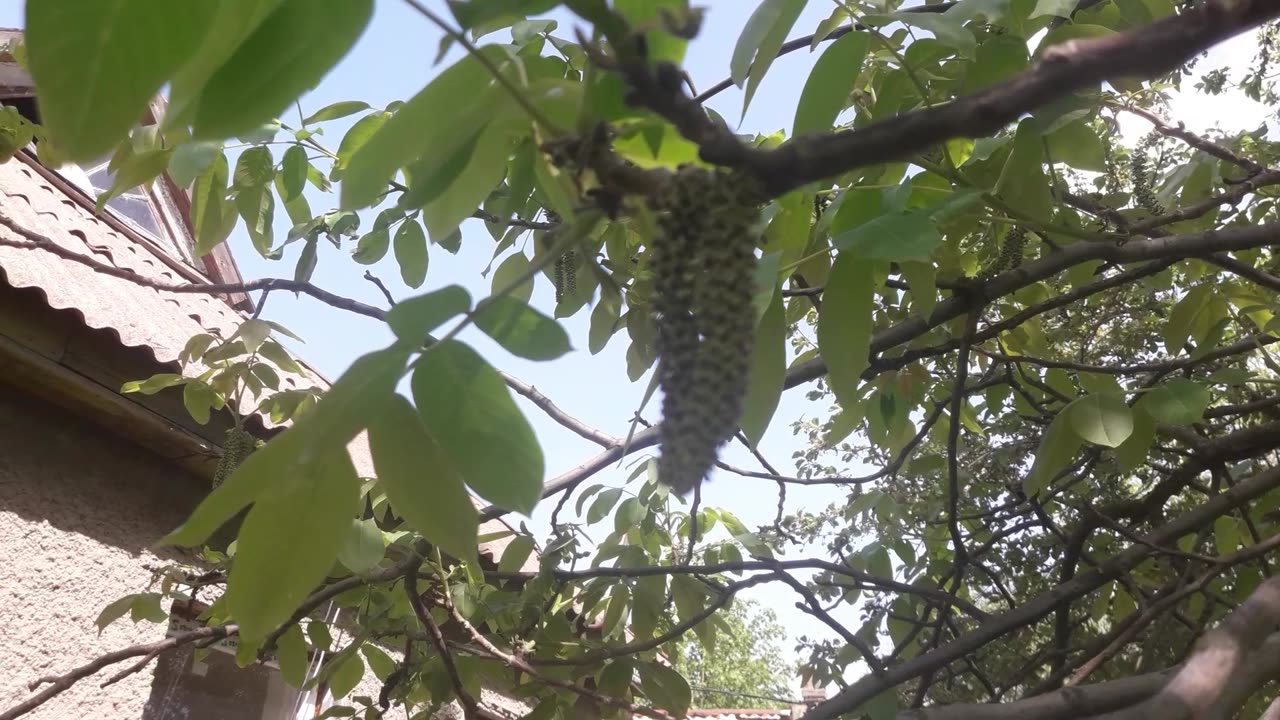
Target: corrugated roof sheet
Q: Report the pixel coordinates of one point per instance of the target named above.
(156, 320)
(142, 317)
(740, 714)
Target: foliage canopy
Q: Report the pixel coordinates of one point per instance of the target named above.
(1056, 348)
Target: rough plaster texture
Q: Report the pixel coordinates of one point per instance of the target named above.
(78, 511)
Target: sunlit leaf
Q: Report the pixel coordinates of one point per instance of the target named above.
(470, 413)
(98, 63)
(844, 325)
(1101, 418)
(336, 110)
(1179, 401)
(521, 330)
(826, 92)
(768, 371)
(363, 549)
(411, 253)
(412, 319)
(666, 687)
(303, 516)
(286, 55)
(419, 126)
(1057, 447)
(419, 481)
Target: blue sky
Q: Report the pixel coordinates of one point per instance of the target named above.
(392, 61)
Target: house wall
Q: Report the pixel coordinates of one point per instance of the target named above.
(78, 512)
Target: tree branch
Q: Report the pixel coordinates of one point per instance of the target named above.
(1041, 605)
(59, 684)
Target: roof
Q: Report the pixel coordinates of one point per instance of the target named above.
(141, 317)
(741, 714)
(158, 321)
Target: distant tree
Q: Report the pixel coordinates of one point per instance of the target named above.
(745, 667)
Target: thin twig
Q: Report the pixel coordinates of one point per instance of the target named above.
(59, 684)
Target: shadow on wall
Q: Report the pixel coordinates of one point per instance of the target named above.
(76, 479)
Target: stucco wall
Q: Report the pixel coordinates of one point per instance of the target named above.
(78, 511)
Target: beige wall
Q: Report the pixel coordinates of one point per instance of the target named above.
(78, 510)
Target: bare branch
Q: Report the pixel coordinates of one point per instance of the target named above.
(59, 684)
(37, 241)
(1041, 605)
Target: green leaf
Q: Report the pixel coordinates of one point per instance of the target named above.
(616, 612)
(146, 606)
(1133, 451)
(114, 611)
(468, 191)
(412, 319)
(291, 654)
(476, 13)
(1180, 401)
(508, 272)
(1226, 534)
(516, 553)
(276, 353)
(1101, 418)
(665, 687)
(894, 236)
(826, 92)
(372, 247)
(207, 199)
(98, 63)
(358, 134)
(363, 548)
(629, 515)
(378, 661)
(254, 168)
(603, 505)
(411, 253)
(947, 28)
(273, 463)
(604, 318)
(768, 372)
(190, 160)
(286, 55)
(199, 399)
(760, 41)
(293, 173)
(844, 325)
(153, 384)
(302, 516)
(883, 706)
(1057, 447)
(996, 59)
(1184, 316)
(521, 330)
(419, 126)
(257, 206)
(1057, 8)
(471, 414)
(1077, 145)
(420, 483)
(234, 21)
(1022, 182)
(346, 675)
(333, 111)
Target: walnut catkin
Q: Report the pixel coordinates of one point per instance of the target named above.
(1141, 174)
(235, 448)
(1012, 247)
(703, 262)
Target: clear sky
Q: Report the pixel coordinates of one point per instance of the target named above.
(391, 62)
